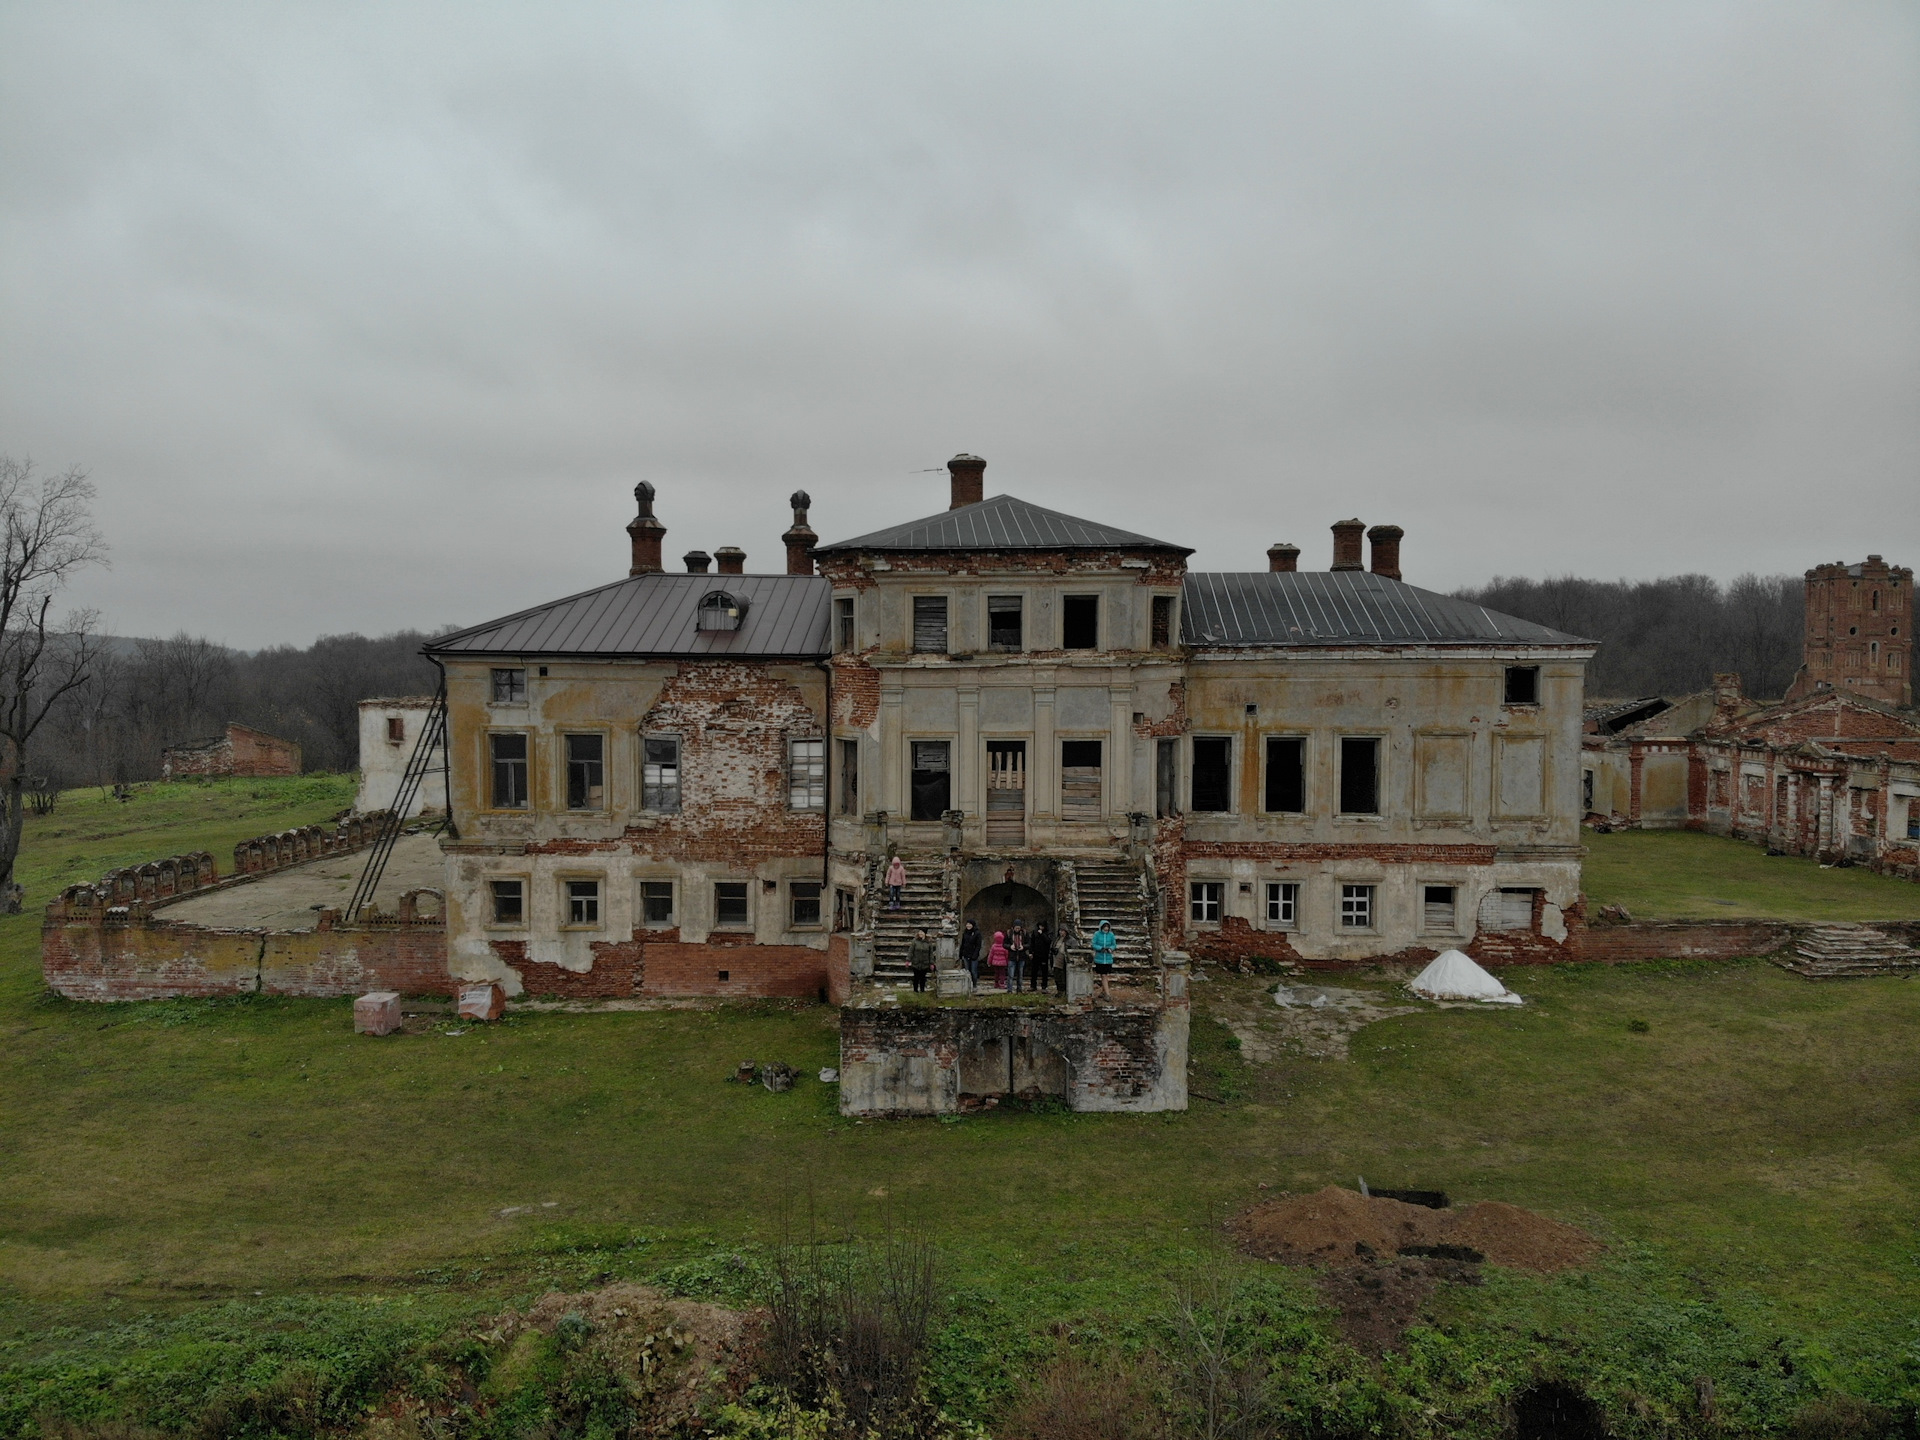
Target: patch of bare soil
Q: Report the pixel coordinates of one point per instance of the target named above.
(1383, 1257)
(1297, 1018)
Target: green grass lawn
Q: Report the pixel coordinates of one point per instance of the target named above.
(1751, 1157)
(1685, 875)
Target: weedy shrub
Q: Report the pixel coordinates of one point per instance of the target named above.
(848, 1331)
(1086, 1397)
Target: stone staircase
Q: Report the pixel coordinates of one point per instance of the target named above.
(1832, 952)
(1112, 890)
(923, 900)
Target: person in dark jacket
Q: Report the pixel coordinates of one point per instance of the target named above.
(1016, 955)
(920, 959)
(970, 951)
(1039, 958)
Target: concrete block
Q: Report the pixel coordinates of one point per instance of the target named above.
(953, 982)
(486, 1001)
(377, 1013)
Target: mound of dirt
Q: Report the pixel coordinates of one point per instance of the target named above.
(1336, 1226)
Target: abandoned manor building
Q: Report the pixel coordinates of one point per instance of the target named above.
(692, 783)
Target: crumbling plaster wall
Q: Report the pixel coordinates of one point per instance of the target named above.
(733, 720)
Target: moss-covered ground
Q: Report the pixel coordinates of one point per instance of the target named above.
(1750, 1151)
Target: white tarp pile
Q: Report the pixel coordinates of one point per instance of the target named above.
(1454, 976)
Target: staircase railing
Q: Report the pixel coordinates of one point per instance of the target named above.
(419, 763)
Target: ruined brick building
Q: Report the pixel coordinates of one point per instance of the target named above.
(1831, 771)
(237, 750)
(689, 783)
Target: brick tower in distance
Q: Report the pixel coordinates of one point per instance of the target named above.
(1859, 633)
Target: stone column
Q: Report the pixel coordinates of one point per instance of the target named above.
(967, 787)
(1043, 764)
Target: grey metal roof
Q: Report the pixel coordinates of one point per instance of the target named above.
(1002, 523)
(1341, 607)
(654, 615)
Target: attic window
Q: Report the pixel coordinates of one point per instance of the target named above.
(721, 611)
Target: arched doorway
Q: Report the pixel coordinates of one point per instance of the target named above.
(998, 906)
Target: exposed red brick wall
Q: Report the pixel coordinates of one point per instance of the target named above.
(241, 751)
(651, 966)
(137, 958)
(856, 693)
(1679, 940)
(1176, 721)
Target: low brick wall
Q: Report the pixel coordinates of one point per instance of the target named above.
(1681, 940)
(125, 954)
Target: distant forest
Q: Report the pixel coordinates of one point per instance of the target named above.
(1668, 637)
(145, 695)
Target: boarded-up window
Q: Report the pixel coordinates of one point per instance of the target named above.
(1212, 773)
(1080, 780)
(930, 624)
(1437, 908)
(1507, 910)
(1162, 621)
(1359, 776)
(1522, 773)
(932, 779)
(1286, 775)
(1003, 622)
(1440, 774)
(396, 729)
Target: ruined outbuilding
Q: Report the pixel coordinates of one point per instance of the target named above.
(237, 750)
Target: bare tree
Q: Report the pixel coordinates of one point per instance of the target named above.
(50, 533)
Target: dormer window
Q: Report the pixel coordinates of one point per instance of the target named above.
(721, 611)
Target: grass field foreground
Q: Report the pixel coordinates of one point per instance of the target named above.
(1688, 875)
(188, 1180)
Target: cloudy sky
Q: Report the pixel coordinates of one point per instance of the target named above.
(365, 317)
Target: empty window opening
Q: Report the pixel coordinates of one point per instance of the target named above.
(724, 975)
(803, 898)
(1523, 685)
(1212, 773)
(396, 729)
(1166, 778)
(1283, 904)
(1003, 622)
(930, 624)
(845, 913)
(807, 774)
(656, 902)
(1080, 622)
(509, 687)
(509, 756)
(1162, 621)
(660, 773)
(1007, 792)
(843, 623)
(1586, 791)
(1507, 909)
(1204, 900)
(586, 772)
(1080, 780)
(1359, 776)
(509, 902)
(721, 611)
(1286, 775)
(730, 902)
(583, 902)
(932, 780)
(1437, 908)
(849, 777)
(1356, 907)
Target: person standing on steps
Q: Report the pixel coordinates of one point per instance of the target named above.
(970, 951)
(920, 960)
(1103, 942)
(1016, 956)
(997, 960)
(896, 881)
(1039, 958)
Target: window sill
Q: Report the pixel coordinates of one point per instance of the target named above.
(1362, 819)
(595, 927)
(505, 927)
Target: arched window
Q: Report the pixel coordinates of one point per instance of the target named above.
(721, 611)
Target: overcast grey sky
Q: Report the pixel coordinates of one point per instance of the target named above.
(365, 317)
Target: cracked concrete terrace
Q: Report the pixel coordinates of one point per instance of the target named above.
(288, 899)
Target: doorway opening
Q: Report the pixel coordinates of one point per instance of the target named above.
(1006, 793)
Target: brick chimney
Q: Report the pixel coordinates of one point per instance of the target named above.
(1386, 550)
(1283, 559)
(730, 560)
(800, 538)
(697, 561)
(1346, 544)
(646, 533)
(969, 474)
(1727, 699)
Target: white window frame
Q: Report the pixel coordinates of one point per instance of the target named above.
(1198, 902)
(807, 793)
(1359, 906)
(679, 775)
(593, 906)
(1282, 904)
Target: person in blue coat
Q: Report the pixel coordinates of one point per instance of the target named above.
(1104, 941)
